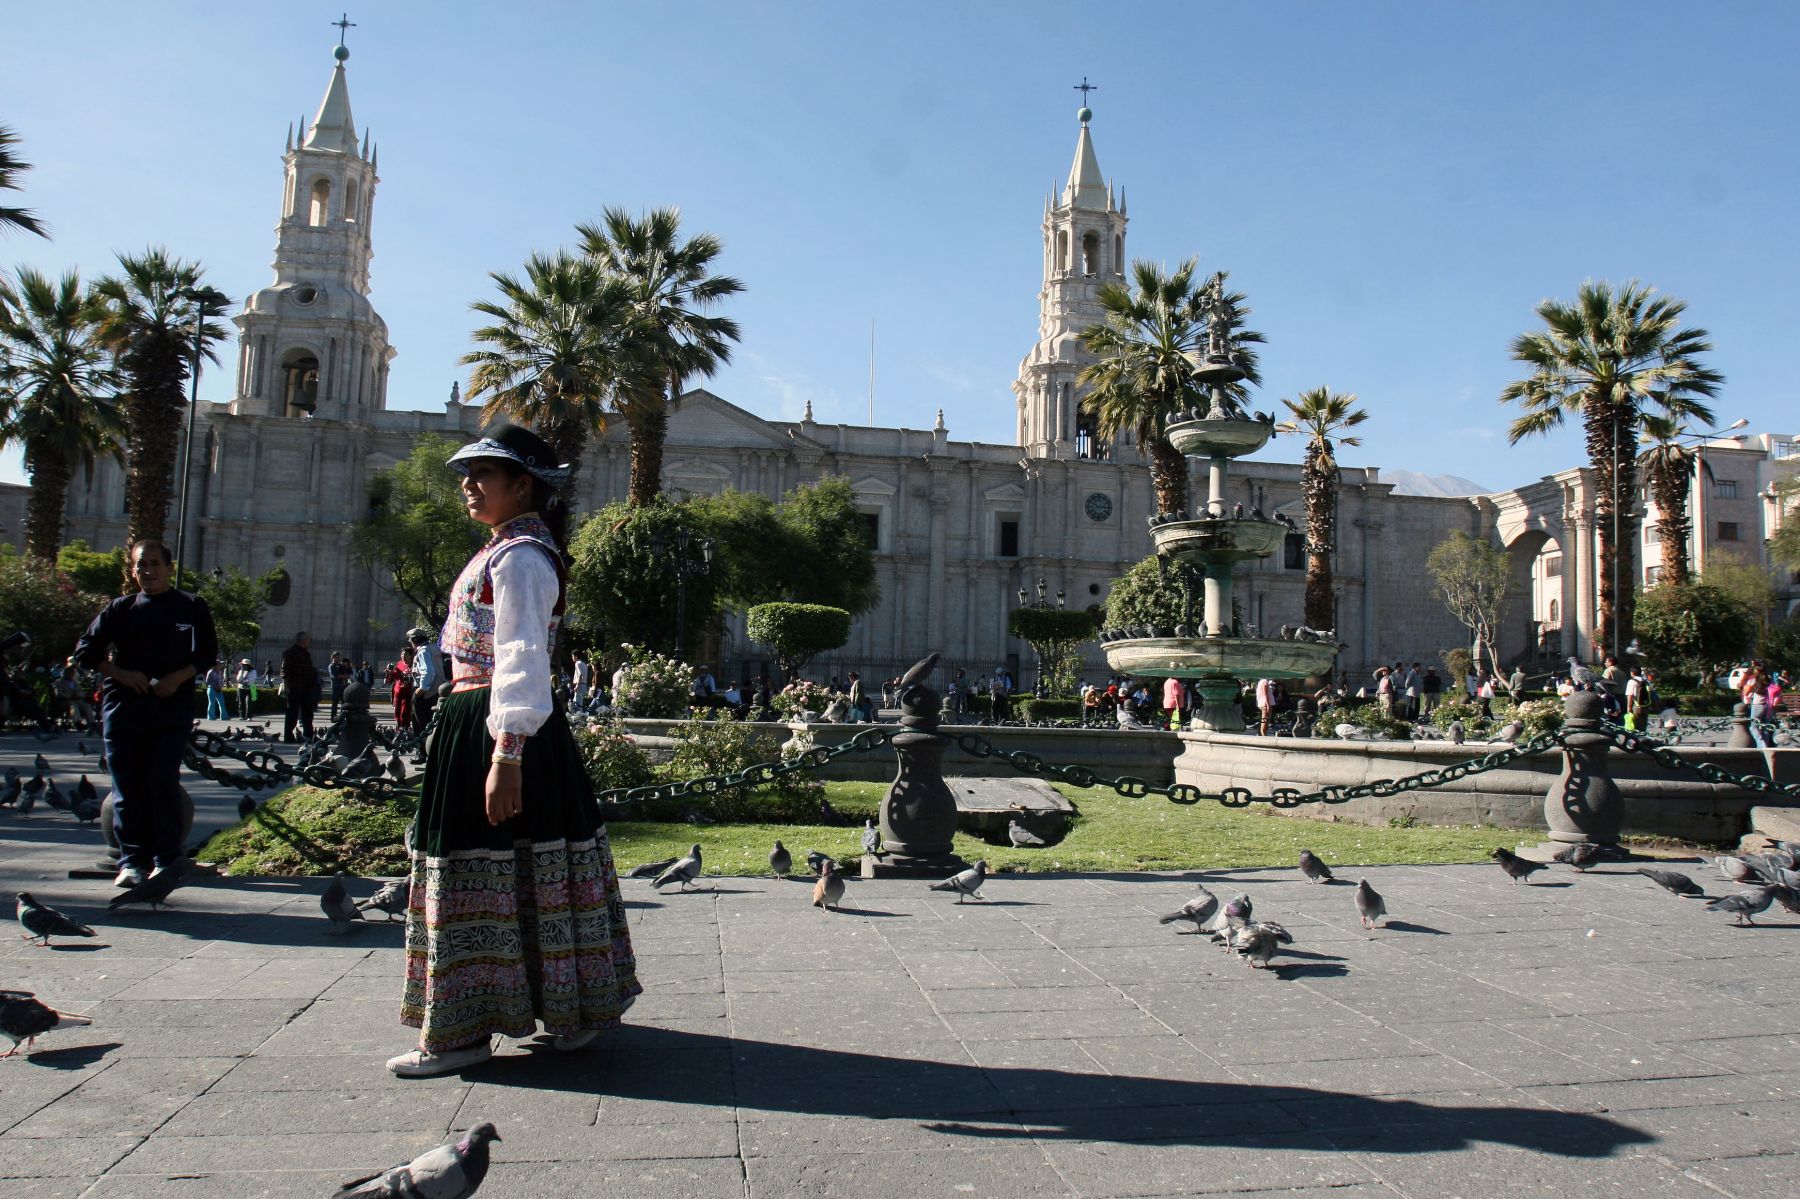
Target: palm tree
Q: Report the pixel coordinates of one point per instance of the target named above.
(1322, 415)
(56, 394)
(555, 357)
(670, 338)
(146, 318)
(1669, 468)
(1146, 347)
(12, 166)
(1608, 358)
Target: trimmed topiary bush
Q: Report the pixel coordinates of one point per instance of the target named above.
(795, 633)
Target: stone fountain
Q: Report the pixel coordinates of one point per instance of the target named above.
(1211, 546)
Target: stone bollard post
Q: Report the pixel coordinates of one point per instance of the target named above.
(918, 814)
(111, 835)
(1584, 804)
(1740, 728)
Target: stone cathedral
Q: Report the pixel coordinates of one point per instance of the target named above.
(281, 472)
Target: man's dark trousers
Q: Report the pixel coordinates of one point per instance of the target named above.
(299, 712)
(146, 774)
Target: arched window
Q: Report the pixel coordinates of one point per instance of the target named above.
(1062, 249)
(350, 209)
(300, 383)
(321, 202)
(1090, 254)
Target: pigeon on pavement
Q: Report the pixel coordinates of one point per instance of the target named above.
(1580, 855)
(1788, 896)
(154, 890)
(14, 786)
(1370, 906)
(1258, 942)
(1199, 909)
(1674, 882)
(1022, 837)
(246, 808)
(42, 764)
(815, 861)
(1232, 919)
(338, 907)
(451, 1171)
(85, 811)
(1515, 866)
(651, 869)
(41, 920)
(967, 883)
(26, 801)
(392, 899)
(683, 871)
(828, 892)
(781, 862)
(54, 797)
(23, 1019)
(1315, 870)
(1744, 904)
(86, 789)
(871, 839)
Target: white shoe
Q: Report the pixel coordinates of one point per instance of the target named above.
(570, 1042)
(129, 876)
(420, 1064)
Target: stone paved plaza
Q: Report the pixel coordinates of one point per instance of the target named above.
(1582, 1035)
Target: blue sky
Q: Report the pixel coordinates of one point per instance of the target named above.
(1395, 186)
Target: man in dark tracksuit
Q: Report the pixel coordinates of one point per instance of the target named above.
(159, 640)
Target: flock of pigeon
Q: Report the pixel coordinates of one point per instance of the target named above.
(1235, 928)
(22, 794)
(1773, 876)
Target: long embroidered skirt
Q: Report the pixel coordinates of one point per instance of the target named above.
(519, 923)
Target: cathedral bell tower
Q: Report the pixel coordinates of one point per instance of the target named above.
(311, 344)
(1084, 248)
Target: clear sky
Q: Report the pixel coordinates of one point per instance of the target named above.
(1395, 186)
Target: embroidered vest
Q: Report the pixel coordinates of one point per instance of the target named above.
(469, 630)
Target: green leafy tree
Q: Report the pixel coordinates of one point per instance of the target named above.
(93, 571)
(796, 633)
(1056, 636)
(57, 394)
(555, 354)
(670, 337)
(1749, 583)
(1143, 596)
(11, 167)
(1692, 629)
(1781, 646)
(752, 545)
(146, 315)
(237, 602)
(1471, 577)
(622, 586)
(1322, 416)
(417, 532)
(45, 603)
(828, 559)
(1609, 358)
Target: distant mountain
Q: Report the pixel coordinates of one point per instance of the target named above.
(1411, 482)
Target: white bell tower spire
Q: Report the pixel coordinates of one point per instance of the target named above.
(1084, 248)
(311, 344)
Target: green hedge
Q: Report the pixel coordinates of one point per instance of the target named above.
(1031, 707)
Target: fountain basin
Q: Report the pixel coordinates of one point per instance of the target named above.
(1220, 657)
(1218, 539)
(1231, 437)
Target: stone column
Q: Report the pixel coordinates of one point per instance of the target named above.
(1586, 594)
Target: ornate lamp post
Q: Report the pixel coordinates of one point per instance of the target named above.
(202, 298)
(675, 555)
(1025, 601)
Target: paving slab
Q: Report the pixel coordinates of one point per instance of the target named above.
(1053, 1041)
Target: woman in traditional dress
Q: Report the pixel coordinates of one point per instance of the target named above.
(516, 918)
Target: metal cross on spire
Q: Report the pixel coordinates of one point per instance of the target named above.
(345, 24)
(1084, 87)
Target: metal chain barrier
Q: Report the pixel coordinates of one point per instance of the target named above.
(757, 774)
(1665, 756)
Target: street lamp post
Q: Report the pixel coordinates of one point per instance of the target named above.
(1025, 601)
(675, 554)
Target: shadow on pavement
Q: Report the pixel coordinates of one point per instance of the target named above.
(1022, 1103)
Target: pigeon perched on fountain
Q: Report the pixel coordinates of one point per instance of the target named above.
(871, 840)
(1455, 732)
(1237, 511)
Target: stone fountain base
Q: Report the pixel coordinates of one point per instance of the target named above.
(1216, 664)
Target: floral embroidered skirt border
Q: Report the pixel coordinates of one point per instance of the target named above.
(518, 924)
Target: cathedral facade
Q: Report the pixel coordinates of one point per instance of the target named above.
(281, 472)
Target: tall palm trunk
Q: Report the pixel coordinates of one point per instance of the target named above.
(1168, 475)
(1319, 486)
(649, 430)
(153, 411)
(50, 476)
(568, 437)
(1671, 492)
(1608, 443)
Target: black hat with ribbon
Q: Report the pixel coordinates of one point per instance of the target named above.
(506, 440)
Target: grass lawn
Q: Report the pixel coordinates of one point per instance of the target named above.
(307, 831)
